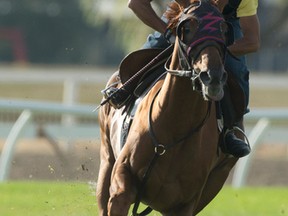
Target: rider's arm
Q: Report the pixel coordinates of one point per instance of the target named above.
(250, 42)
(145, 12)
(249, 23)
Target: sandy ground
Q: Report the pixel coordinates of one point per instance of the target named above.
(38, 159)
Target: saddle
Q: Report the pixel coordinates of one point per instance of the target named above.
(135, 61)
(140, 68)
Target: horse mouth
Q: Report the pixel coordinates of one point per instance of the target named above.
(213, 93)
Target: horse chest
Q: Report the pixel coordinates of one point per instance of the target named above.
(174, 192)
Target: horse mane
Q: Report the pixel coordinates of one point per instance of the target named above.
(173, 14)
(175, 9)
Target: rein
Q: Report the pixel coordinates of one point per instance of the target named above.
(159, 150)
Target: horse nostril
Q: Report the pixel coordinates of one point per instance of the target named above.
(205, 77)
(210, 78)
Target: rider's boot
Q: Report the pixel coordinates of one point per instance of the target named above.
(116, 96)
(233, 145)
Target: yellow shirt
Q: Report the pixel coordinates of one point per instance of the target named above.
(247, 8)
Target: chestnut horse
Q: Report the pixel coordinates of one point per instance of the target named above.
(171, 159)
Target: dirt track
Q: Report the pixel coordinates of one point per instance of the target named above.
(39, 160)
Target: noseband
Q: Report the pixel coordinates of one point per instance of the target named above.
(209, 30)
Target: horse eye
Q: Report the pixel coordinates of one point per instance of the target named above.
(188, 30)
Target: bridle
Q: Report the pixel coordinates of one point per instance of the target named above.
(208, 33)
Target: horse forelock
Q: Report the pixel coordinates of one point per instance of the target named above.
(173, 14)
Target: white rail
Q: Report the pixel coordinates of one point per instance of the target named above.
(28, 108)
(263, 117)
(241, 169)
(70, 77)
(8, 149)
(48, 107)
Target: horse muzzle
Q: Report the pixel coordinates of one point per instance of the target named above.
(213, 85)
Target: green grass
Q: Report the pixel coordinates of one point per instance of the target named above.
(249, 202)
(47, 199)
(70, 198)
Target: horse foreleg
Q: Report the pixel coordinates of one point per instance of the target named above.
(121, 191)
(103, 184)
(215, 181)
(107, 161)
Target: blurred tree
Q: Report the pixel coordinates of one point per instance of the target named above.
(130, 31)
(274, 26)
(273, 18)
(55, 31)
(103, 31)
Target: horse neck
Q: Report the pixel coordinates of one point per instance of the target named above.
(178, 107)
(178, 97)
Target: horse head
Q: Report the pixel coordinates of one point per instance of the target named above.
(200, 33)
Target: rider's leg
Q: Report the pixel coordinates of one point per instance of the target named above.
(237, 66)
(233, 132)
